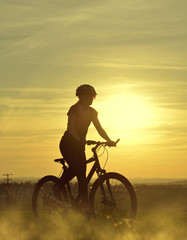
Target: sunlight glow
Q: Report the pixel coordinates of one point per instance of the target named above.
(127, 112)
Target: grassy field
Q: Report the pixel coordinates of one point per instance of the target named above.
(162, 215)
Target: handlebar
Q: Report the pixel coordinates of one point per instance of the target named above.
(98, 143)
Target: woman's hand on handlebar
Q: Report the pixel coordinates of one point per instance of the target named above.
(112, 143)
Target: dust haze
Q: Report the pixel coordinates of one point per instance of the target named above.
(162, 214)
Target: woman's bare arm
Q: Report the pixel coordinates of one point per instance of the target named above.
(71, 127)
(100, 130)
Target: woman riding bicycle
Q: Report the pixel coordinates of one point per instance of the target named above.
(72, 144)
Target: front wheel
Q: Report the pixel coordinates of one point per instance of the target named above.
(112, 196)
(43, 200)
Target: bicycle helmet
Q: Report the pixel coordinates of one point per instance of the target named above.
(85, 89)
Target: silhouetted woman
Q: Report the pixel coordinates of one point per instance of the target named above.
(72, 144)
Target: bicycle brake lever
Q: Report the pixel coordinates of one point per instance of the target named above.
(117, 140)
(115, 143)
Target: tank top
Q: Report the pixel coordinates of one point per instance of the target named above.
(81, 124)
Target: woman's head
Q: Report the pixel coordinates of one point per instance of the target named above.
(86, 93)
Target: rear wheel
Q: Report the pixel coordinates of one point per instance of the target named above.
(43, 200)
(112, 196)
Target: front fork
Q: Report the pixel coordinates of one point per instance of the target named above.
(103, 191)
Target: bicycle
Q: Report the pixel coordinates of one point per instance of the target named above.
(110, 196)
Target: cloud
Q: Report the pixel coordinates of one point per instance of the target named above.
(24, 103)
(168, 93)
(136, 66)
(39, 25)
(59, 43)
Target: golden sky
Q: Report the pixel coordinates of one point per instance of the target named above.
(133, 53)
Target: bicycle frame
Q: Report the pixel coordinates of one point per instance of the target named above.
(95, 168)
(103, 194)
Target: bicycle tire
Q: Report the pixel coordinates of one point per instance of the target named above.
(101, 208)
(47, 204)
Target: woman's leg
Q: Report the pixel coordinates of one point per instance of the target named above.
(69, 173)
(81, 177)
(77, 167)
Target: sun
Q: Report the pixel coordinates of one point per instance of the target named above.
(127, 112)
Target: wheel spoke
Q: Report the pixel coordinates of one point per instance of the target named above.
(44, 203)
(118, 203)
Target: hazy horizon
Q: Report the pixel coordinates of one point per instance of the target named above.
(133, 180)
